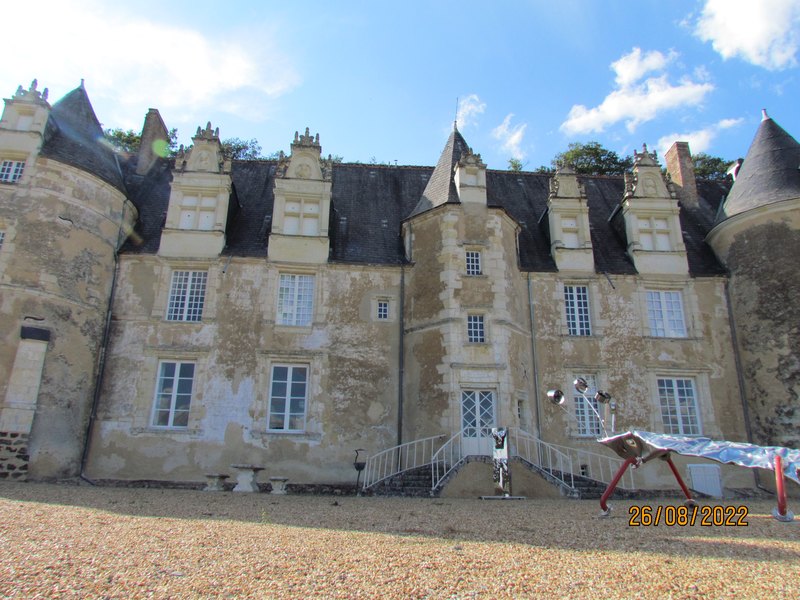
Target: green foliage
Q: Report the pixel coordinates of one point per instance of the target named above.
(236, 149)
(124, 141)
(544, 169)
(515, 164)
(710, 167)
(130, 141)
(592, 158)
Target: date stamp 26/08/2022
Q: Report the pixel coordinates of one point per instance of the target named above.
(706, 516)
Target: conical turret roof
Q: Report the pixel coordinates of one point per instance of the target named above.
(74, 136)
(441, 188)
(770, 171)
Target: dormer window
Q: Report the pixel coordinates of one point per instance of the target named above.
(654, 234)
(24, 122)
(11, 170)
(197, 212)
(301, 217)
(569, 232)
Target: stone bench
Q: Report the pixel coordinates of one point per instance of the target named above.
(278, 484)
(247, 478)
(216, 482)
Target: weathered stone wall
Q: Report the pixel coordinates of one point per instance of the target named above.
(353, 361)
(13, 455)
(55, 274)
(757, 246)
(440, 361)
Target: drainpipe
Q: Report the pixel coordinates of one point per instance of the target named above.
(535, 363)
(401, 362)
(739, 376)
(102, 362)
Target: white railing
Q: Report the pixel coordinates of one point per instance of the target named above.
(561, 462)
(400, 458)
(446, 459)
(547, 457)
(598, 467)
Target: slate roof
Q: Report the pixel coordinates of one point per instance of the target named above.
(73, 135)
(441, 188)
(370, 202)
(770, 171)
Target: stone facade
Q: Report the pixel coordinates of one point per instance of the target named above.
(284, 313)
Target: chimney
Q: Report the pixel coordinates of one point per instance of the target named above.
(681, 169)
(155, 140)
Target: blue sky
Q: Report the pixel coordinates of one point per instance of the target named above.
(379, 79)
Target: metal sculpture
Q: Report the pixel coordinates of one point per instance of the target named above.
(631, 446)
(501, 473)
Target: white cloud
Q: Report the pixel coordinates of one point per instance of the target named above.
(140, 63)
(765, 33)
(468, 110)
(632, 67)
(700, 140)
(511, 137)
(635, 102)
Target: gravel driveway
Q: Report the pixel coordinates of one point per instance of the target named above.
(66, 541)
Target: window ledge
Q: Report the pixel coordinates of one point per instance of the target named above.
(597, 336)
(301, 329)
(481, 276)
(167, 431)
(478, 344)
(298, 436)
(671, 339)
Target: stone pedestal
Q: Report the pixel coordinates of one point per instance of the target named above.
(278, 484)
(216, 482)
(247, 478)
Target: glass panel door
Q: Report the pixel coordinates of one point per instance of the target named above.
(477, 420)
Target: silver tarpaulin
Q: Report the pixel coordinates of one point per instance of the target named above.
(737, 453)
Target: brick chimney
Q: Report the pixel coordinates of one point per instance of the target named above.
(155, 139)
(681, 169)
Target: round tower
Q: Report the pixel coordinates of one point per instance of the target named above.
(757, 237)
(63, 213)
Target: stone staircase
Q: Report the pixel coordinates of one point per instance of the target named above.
(414, 483)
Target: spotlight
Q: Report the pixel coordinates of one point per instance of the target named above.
(556, 396)
(602, 397)
(580, 385)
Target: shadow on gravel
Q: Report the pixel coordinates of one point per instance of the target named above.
(557, 524)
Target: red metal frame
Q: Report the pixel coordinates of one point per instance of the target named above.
(613, 484)
(779, 483)
(680, 481)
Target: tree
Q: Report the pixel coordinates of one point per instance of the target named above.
(129, 141)
(515, 164)
(592, 158)
(124, 141)
(236, 149)
(710, 167)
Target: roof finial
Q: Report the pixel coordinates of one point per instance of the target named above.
(455, 121)
(764, 115)
(81, 81)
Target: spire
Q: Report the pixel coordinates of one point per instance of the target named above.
(441, 188)
(73, 135)
(769, 173)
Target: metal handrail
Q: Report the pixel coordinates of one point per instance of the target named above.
(449, 454)
(398, 459)
(600, 467)
(545, 456)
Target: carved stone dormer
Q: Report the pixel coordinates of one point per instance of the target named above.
(199, 202)
(22, 131)
(652, 218)
(301, 210)
(470, 178)
(568, 215)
